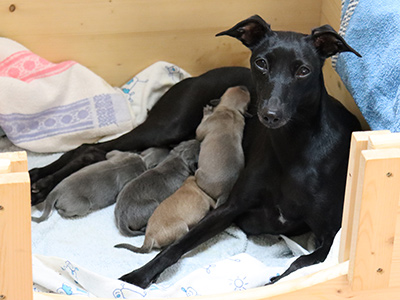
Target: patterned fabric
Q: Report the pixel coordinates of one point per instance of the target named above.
(27, 66)
(237, 273)
(70, 118)
(48, 107)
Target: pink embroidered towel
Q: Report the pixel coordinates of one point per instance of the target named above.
(48, 107)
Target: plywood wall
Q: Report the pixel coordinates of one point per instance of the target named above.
(118, 38)
(330, 14)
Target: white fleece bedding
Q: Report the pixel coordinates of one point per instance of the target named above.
(77, 257)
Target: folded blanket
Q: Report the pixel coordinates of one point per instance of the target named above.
(48, 107)
(144, 90)
(237, 273)
(372, 27)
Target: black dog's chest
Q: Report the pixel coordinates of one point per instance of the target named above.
(294, 197)
(282, 205)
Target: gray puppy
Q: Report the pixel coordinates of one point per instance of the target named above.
(141, 196)
(221, 154)
(153, 156)
(220, 161)
(93, 187)
(173, 218)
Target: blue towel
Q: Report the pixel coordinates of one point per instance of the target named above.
(372, 27)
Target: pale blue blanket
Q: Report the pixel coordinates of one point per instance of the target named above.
(372, 27)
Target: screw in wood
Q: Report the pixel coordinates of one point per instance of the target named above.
(389, 174)
(12, 8)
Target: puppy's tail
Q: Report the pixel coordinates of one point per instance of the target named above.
(48, 207)
(124, 227)
(146, 248)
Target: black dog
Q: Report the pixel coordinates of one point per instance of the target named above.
(173, 119)
(296, 149)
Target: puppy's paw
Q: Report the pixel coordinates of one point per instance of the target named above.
(207, 110)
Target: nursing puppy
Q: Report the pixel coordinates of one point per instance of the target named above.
(173, 218)
(93, 187)
(140, 197)
(221, 155)
(153, 156)
(220, 161)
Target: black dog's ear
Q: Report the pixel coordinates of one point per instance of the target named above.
(328, 42)
(249, 31)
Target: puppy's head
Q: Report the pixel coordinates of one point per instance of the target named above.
(189, 152)
(153, 156)
(237, 97)
(116, 155)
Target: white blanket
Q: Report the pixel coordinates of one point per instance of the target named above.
(49, 107)
(76, 256)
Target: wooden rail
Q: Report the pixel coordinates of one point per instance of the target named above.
(373, 223)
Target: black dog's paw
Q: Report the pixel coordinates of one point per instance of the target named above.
(274, 279)
(137, 279)
(34, 175)
(40, 190)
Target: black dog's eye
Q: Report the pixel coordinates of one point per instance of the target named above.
(302, 72)
(261, 64)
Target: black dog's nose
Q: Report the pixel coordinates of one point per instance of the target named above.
(272, 117)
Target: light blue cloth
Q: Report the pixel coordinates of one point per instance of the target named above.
(372, 27)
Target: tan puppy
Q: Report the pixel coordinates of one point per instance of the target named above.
(174, 217)
(140, 197)
(221, 155)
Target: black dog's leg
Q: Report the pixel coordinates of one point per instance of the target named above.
(215, 222)
(75, 160)
(173, 118)
(242, 197)
(318, 256)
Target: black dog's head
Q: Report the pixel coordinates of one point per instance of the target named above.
(286, 67)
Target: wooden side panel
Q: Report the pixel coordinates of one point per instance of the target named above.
(384, 142)
(118, 38)
(5, 166)
(15, 236)
(330, 289)
(376, 215)
(17, 159)
(395, 267)
(359, 142)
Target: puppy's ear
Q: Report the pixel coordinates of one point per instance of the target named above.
(328, 42)
(250, 31)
